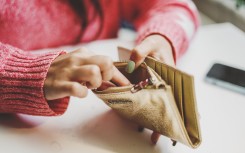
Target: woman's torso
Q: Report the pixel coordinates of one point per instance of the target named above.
(43, 23)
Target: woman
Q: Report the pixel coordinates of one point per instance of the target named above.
(42, 84)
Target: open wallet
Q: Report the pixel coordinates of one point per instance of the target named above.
(160, 98)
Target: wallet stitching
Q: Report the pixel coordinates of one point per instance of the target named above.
(192, 105)
(193, 110)
(170, 67)
(184, 131)
(179, 120)
(176, 91)
(182, 99)
(158, 66)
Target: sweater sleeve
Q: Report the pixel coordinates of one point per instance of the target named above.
(22, 77)
(176, 20)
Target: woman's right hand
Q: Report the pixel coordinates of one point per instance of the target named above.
(73, 73)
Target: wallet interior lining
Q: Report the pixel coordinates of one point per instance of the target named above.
(178, 93)
(171, 79)
(158, 69)
(174, 79)
(164, 74)
(176, 89)
(183, 97)
(139, 74)
(169, 76)
(178, 82)
(188, 98)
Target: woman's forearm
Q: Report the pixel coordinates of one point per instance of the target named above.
(22, 77)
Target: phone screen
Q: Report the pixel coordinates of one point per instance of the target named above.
(228, 77)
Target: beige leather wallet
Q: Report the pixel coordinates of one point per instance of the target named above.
(160, 98)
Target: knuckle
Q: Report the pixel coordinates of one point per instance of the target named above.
(94, 71)
(85, 92)
(72, 59)
(108, 63)
(108, 74)
(64, 71)
(97, 83)
(107, 77)
(74, 68)
(82, 49)
(138, 53)
(73, 88)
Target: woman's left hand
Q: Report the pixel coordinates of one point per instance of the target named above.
(159, 48)
(155, 46)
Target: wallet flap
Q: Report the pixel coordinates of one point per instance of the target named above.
(151, 108)
(184, 93)
(169, 109)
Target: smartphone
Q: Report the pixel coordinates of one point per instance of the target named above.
(227, 77)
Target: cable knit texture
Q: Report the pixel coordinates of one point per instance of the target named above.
(35, 24)
(22, 77)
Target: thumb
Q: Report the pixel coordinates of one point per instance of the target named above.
(140, 52)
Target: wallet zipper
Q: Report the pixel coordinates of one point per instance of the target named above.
(141, 85)
(115, 90)
(146, 84)
(151, 83)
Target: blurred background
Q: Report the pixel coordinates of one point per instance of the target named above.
(217, 11)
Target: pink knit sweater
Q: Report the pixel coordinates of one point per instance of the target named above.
(35, 24)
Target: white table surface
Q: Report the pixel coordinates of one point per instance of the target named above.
(90, 126)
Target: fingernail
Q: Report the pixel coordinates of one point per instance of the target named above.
(154, 138)
(153, 141)
(130, 67)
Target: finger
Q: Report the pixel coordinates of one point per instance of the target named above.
(119, 79)
(154, 137)
(82, 52)
(87, 73)
(157, 56)
(105, 85)
(75, 57)
(75, 89)
(72, 89)
(105, 64)
(164, 56)
(140, 52)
